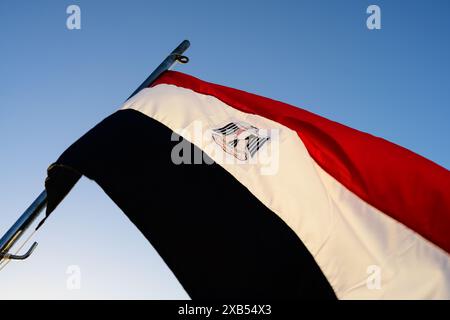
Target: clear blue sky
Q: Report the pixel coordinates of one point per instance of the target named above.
(55, 84)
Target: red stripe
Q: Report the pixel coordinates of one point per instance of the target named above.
(409, 188)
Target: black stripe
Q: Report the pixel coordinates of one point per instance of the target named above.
(217, 248)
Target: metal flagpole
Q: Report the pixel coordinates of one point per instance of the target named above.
(29, 216)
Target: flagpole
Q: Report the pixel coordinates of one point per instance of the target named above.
(32, 212)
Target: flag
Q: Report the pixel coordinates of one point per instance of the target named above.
(247, 197)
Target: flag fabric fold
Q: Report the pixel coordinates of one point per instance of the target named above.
(247, 197)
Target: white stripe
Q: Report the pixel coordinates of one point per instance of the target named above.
(345, 235)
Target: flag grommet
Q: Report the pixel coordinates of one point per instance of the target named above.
(182, 59)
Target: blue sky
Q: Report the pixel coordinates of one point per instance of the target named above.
(56, 83)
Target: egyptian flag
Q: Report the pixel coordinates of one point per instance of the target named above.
(247, 197)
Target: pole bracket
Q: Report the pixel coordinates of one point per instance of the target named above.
(180, 58)
(8, 256)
